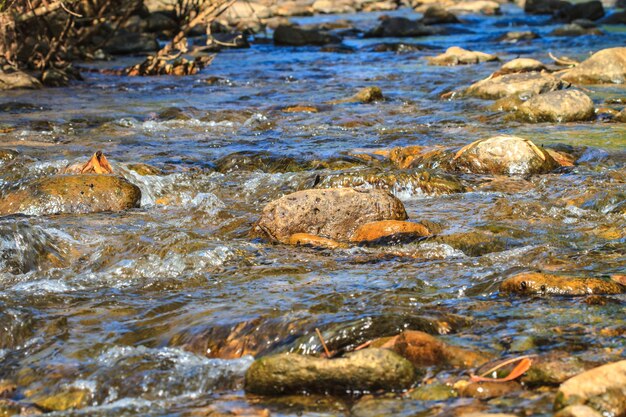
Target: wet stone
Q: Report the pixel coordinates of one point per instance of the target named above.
(422, 349)
(399, 27)
(297, 36)
(459, 56)
(558, 106)
(540, 283)
(332, 213)
(66, 400)
(578, 411)
(522, 65)
(527, 83)
(602, 388)
(504, 155)
(18, 80)
(433, 392)
(71, 194)
(364, 370)
(365, 95)
(487, 390)
(604, 67)
(553, 369)
(306, 239)
(389, 230)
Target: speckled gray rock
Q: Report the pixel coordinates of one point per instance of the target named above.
(504, 155)
(526, 83)
(364, 370)
(333, 213)
(558, 106)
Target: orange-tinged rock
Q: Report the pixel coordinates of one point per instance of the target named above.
(403, 156)
(71, 194)
(300, 109)
(423, 349)
(540, 283)
(386, 228)
(563, 159)
(306, 239)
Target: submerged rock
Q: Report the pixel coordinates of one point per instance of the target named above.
(389, 230)
(71, 194)
(487, 390)
(438, 15)
(297, 36)
(515, 36)
(553, 369)
(527, 83)
(540, 283)
(575, 29)
(306, 239)
(412, 181)
(558, 106)
(604, 67)
(332, 213)
(364, 370)
(521, 65)
(486, 7)
(578, 411)
(399, 27)
(64, 400)
(365, 95)
(422, 349)
(504, 155)
(459, 56)
(602, 388)
(18, 79)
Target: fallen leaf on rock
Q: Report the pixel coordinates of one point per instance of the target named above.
(524, 365)
(98, 164)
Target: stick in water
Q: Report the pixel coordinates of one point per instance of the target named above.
(319, 334)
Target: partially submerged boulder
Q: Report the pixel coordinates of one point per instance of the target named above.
(521, 65)
(527, 83)
(71, 194)
(364, 370)
(297, 36)
(437, 14)
(540, 283)
(504, 155)
(399, 27)
(604, 67)
(365, 95)
(422, 349)
(459, 56)
(18, 79)
(558, 106)
(333, 213)
(602, 388)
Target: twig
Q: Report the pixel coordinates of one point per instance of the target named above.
(319, 335)
(68, 11)
(563, 60)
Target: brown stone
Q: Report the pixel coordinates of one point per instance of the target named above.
(422, 349)
(526, 83)
(540, 283)
(558, 106)
(504, 155)
(306, 239)
(385, 228)
(604, 67)
(459, 56)
(71, 194)
(602, 388)
(487, 390)
(333, 213)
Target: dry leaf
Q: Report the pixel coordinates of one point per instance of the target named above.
(98, 164)
(524, 365)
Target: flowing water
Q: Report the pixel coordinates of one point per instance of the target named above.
(148, 310)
